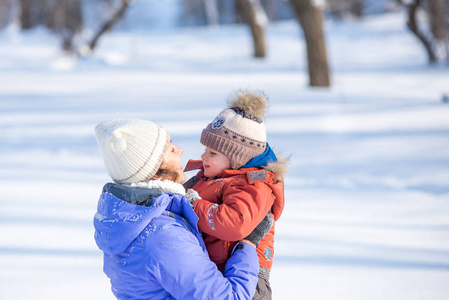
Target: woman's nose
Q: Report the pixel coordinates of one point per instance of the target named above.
(179, 150)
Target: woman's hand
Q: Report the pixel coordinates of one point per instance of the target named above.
(248, 242)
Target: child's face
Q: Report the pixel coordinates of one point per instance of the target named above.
(214, 162)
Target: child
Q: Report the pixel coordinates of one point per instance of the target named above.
(240, 181)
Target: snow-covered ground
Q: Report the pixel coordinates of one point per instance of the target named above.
(367, 197)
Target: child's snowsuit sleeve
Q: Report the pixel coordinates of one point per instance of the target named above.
(244, 206)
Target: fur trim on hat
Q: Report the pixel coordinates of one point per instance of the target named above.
(253, 104)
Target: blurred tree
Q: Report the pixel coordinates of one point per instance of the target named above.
(65, 17)
(6, 8)
(29, 13)
(251, 12)
(436, 13)
(67, 21)
(413, 26)
(254, 15)
(439, 15)
(62, 16)
(356, 8)
(338, 9)
(195, 12)
(106, 26)
(310, 19)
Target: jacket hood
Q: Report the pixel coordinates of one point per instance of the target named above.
(278, 168)
(124, 211)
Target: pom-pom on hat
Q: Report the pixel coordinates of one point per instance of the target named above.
(132, 149)
(239, 131)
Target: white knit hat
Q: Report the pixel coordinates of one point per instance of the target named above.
(133, 150)
(239, 131)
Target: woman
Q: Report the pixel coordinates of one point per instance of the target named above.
(147, 228)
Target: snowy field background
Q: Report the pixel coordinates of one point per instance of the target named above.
(367, 197)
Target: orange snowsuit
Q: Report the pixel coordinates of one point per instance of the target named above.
(231, 207)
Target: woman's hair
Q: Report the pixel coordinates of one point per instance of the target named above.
(163, 173)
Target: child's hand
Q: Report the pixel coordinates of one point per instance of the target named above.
(192, 195)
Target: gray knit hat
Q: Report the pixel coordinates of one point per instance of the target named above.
(132, 149)
(238, 131)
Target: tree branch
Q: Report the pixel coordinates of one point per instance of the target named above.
(109, 23)
(413, 26)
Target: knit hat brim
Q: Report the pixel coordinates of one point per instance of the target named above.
(238, 154)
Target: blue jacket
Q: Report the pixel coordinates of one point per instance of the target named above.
(153, 249)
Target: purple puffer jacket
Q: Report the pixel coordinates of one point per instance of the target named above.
(153, 249)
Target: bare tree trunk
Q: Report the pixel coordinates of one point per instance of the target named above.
(5, 12)
(67, 18)
(62, 16)
(47, 14)
(413, 26)
(27, 16)
(310, 18)
(437, 13)
(254, 15)
(109, 23)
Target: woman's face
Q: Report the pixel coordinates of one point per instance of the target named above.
(172, 162)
